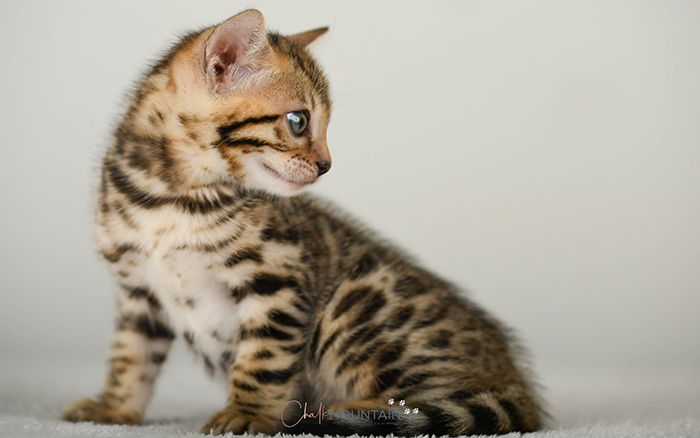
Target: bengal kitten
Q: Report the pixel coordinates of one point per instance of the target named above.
(283, 296)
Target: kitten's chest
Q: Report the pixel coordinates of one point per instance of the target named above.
(194, 293)
(196, 302)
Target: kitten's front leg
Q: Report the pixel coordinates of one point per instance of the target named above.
(141, 344)
(266, 369)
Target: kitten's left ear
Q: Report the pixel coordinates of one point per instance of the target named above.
(306, 38)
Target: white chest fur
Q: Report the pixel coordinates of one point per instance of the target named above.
(195, 297)
(197, 305)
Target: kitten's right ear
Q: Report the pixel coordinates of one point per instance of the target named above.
(308, 37)
(235, 50)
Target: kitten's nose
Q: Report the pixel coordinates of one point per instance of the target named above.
(323, 167)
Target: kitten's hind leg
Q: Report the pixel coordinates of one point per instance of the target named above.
(141, 344)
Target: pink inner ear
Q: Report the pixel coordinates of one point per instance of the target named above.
(226, 54)
(237, 42)
(220, 58)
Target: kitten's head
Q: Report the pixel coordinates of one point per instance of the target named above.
(253, 107)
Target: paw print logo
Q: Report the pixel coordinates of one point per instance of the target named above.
(408, 410)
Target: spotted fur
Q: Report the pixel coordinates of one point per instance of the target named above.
(282, 296)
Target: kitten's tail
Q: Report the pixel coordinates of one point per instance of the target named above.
(463, 413)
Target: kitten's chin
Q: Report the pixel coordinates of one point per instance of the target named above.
(290, 181)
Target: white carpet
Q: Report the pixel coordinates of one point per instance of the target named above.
(601, 402)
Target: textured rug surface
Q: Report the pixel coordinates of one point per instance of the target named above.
(600, 402)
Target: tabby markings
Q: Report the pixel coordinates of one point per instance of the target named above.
(226, 132)
(263, 284)
(147, 200)
(277, 377)
(145, 325)
(246, 254)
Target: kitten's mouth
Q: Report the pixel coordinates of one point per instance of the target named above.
(296, 184)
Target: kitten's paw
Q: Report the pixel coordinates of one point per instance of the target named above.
(231, 420)
(88, 409)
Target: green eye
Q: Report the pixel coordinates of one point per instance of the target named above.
(297, 121)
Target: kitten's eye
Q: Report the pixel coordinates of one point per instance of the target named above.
(297, 121)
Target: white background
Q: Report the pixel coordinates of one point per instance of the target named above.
(544, 155)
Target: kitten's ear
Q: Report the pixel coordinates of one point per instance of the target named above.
(306, 38)
(236, 49)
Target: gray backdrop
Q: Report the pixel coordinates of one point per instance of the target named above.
(544, 155)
